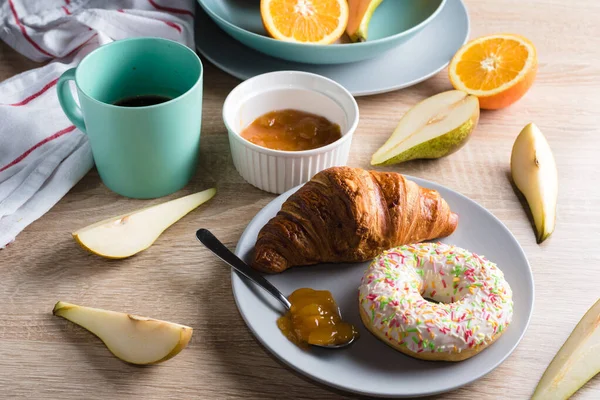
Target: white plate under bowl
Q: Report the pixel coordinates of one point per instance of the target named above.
(408, 64)
(370, 367)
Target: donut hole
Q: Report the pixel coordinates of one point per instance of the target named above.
(432, 300)
(442, 288)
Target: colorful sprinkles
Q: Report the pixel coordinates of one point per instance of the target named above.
(472, 302)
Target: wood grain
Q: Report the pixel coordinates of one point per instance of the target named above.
(42, 356)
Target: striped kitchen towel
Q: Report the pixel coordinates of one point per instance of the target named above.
(42, 155)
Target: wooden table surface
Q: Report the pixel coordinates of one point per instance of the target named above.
(42, 356)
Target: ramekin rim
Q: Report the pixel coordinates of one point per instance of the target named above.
(345, 137)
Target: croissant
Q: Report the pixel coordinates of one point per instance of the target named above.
(348, 214)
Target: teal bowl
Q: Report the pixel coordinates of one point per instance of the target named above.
(393, 23)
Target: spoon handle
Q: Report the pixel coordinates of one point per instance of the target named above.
(213, 244)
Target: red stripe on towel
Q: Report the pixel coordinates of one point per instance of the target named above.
(35, 95)
(37, 145)
(24, 32)
(173, 25)
(170, 9)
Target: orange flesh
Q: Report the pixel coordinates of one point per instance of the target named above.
(490, 64)
(315, 319)
(305, 21)
(291, 130)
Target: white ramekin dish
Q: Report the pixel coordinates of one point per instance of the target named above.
(277, 171)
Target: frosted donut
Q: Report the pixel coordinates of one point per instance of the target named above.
(475, 301)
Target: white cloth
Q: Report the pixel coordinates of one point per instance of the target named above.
(42, 155)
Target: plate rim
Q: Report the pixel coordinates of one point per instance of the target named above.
(355, 93)
(237, 280)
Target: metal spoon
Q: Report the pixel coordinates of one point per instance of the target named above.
(213, 244)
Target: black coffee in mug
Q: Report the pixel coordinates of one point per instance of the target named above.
(142, 100)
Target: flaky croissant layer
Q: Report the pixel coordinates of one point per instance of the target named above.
(348, 214)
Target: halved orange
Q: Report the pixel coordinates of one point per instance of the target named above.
(305, 21)
(498, 69)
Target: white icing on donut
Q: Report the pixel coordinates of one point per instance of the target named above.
(475, 300)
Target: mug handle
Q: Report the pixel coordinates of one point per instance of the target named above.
(66, 100)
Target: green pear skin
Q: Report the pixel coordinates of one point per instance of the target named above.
(438, 147)
(358, 25)
(435, 127)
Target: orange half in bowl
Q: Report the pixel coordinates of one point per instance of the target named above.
(305, 21)
(393, 23)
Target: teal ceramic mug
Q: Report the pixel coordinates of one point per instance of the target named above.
(146, 151)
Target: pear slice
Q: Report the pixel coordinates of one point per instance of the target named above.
(434, 128)
(134, 339)
(577, 361)
(534, 172)
(128, 234)
(359, 17)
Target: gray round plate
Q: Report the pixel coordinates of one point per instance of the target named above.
(369, 366)
(418, 59)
